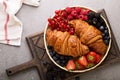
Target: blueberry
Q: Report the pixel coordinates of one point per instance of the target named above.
(66, 58)
(105, 38)
(106, 32)
(57, 55)
(94, 20)
(49, 47)
(61, 57)
(101, 21)
(91, 15)
(108, 38)
(58, 61)
(106, 42)
(103, 34)
(62, 64)
(54, 58)
(106, 28)
(90, 22)
(101, 28)
(63, 61)
(51, 53)
(97, 15)
(54, 52)
(98, 25)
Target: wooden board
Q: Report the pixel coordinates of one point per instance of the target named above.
(47, 69)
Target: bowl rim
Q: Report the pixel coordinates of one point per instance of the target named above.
(85, 70)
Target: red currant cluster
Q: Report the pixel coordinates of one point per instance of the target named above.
(61, 19)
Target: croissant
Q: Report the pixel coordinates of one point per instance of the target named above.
(89, 35)
(65, 44)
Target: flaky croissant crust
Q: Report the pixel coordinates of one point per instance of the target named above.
(86, 37)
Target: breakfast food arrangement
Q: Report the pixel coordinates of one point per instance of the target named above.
(77, 39)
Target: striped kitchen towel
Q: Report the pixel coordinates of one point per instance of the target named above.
(10, 25)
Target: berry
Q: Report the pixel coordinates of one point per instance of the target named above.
(106, 42)
(85, 18)
(55, 58)
(74, 13)
(84, 12)
(70, 65)
(70, 17)
(101, 20)
(91, 57)
(78, 66)
(49, 25)
(98, 58)
(57, 11)
(90, 22)
(81, 17)
(78, 9)
(58, 61)
(90, 65)
(49, 47)
(106, 32)
(56, 15)
(94, 20)
(106, 27)
(83, 61)
(58, 29)
(49, 19)
(51, 53)
(97, 15)
(68, 10)
(101, 28)
(59, 19)
(91, 15)
(64, 14)
(103, 35)
(98, 25)
(61, 57)
(71, 31)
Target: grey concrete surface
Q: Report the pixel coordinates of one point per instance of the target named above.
(34, 20)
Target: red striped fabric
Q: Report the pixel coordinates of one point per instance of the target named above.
(6, 22)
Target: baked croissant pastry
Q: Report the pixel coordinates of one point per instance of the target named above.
(65, 44)
(89, 35)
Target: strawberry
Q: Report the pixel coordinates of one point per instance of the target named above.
(90, 65)
(91, 57)
(83, 61)
(98, 58)
(78, 66)
(70, 65)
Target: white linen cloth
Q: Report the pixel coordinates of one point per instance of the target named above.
(10, 25)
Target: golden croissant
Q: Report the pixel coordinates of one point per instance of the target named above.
(90, 36)
(86, 38)
(66, 44)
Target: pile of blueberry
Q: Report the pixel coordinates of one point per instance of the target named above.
(59, 59)
(96, 20)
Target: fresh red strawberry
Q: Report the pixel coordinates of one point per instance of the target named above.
(91, 57)
(78, 66)
(90, 65)
(98, 58)
(83, 61)
(70, 65)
